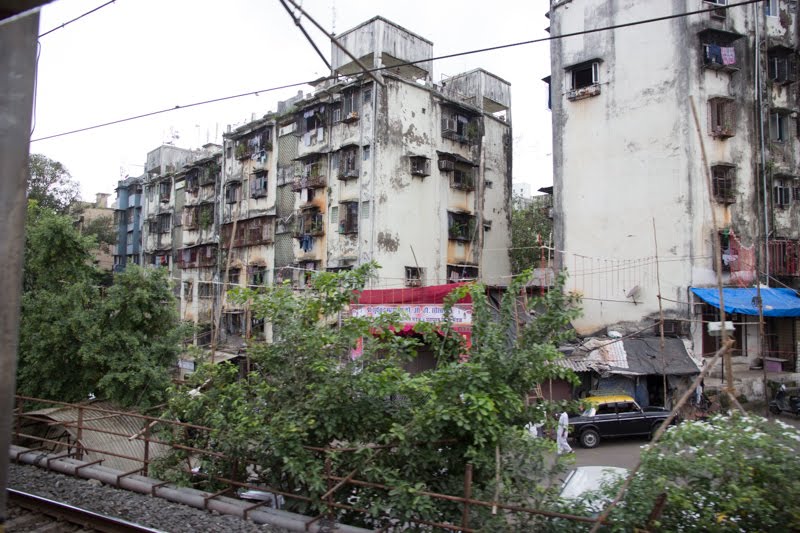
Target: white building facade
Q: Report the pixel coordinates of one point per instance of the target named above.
(643, 185)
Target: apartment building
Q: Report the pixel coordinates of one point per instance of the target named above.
(128, 221)
(667, 136)
(396, 169)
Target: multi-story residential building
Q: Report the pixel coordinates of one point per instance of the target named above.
(679, 132)
(97, 212)
(413, 175)
(198, 253)
(128, 221)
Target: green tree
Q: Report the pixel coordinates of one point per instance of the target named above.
(74, 341)
(50, 184)
(307, 389)
(531, 227)
(733, 473)
(102, 230)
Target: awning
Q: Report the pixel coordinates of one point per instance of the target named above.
(415, 295)
(776, 302)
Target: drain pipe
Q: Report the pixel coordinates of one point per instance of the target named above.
(760, 117)
(186, 496)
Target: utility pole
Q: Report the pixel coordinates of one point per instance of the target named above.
(18, 35)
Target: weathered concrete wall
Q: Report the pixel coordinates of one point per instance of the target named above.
(629, 158)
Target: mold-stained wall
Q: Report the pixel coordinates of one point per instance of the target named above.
(627, 156)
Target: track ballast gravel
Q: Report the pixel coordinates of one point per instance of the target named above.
(137, 508)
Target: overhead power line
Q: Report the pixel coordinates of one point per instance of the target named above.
(98, 8)
(407, 63)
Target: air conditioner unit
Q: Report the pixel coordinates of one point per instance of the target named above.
(715, 328)
(446, 165)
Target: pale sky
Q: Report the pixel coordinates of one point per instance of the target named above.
(137, 56)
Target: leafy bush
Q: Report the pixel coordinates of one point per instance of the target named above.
(411, 432)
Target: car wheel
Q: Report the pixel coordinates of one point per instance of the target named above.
(590, 438)
(654, 429)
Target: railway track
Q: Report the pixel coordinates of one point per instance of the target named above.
(31, 513)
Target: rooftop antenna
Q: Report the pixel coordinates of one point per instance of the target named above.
(333, 17)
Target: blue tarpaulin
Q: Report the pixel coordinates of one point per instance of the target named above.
(776, 302)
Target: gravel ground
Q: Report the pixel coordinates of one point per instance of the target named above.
(138, 508)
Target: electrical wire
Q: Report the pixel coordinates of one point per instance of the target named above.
(48, 32)
(389, 68)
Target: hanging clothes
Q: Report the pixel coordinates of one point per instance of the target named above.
(713, 54)
(728, 55)
(306, 242)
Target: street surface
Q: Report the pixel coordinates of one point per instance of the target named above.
(624, 452)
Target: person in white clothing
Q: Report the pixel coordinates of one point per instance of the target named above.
(561, 434)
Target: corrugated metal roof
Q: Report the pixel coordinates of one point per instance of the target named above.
(576, 364)
(104, 431)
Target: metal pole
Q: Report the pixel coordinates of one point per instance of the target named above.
(18, 63)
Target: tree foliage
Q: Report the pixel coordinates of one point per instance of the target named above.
(50, 184)
(531, 228)
(102, 230)
(306, 388)
(733, 473)
(75, 340)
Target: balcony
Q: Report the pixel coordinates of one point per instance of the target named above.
(784, 258)
(308, 182)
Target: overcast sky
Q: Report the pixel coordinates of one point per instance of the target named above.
(137, 56)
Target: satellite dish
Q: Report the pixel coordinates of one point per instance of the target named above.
(634, 293)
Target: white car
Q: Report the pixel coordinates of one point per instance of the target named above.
(584, 479)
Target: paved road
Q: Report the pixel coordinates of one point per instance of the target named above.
(617, 452)
(625, 452)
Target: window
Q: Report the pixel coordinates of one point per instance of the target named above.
(190, 218)
(420, 165)
(205, 290)
(365, 153)
(729, 255)
(311, 223)
(584, 76)
(347, 162)
(463, 178)
(350, 105)
(348, 217)
(721, 117)
(334, 214)
(460, 226)
(233, 192)
(723, 183)
(583, 80)
(779, 126)
(233, 276)
(456, 273)
(336, 114)
(164, 188)
(205, 216)
(258, 184)
(164, 223)
(771, 8)
(459, 127)
(258, 275)
(782, 65)
(414, 276)
(152, 226)
(367, 92)
(719, 49)
(782, 192)
(718, 13)
(365, 210)
(188, 291)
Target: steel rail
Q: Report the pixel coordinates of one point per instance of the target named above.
(75, 515)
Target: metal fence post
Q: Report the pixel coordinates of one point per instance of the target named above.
(146, 459)
(79, 438)
(467, 494)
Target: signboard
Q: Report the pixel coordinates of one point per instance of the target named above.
(461, 314)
